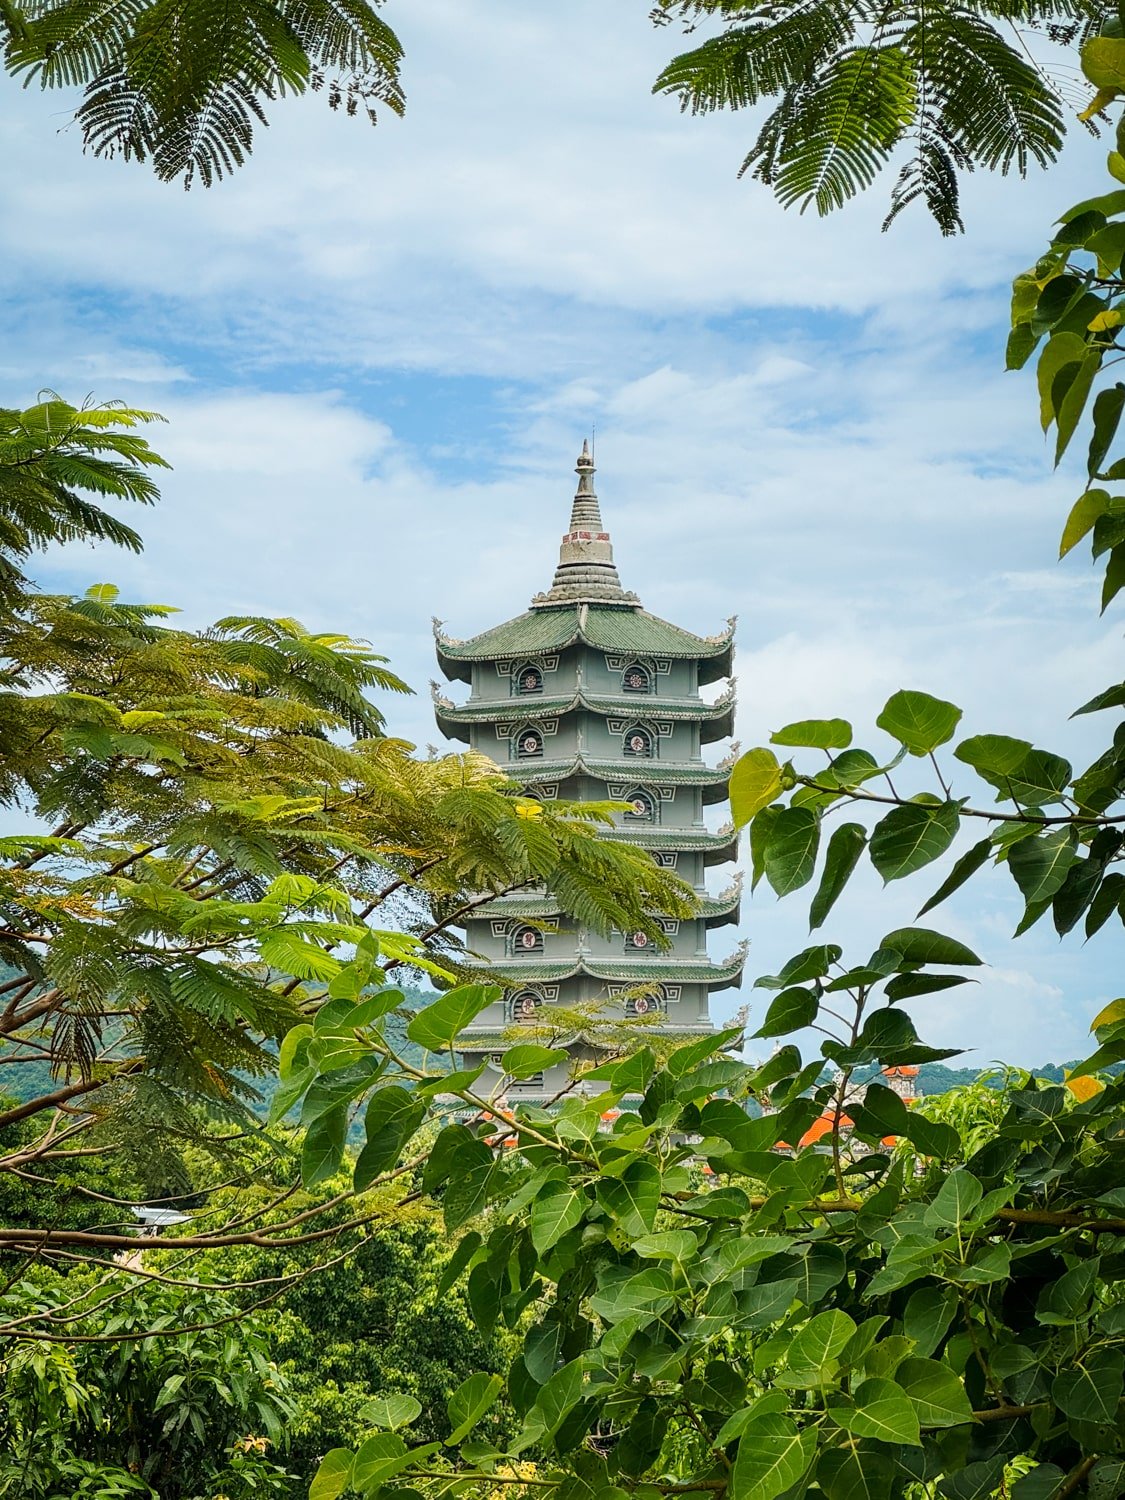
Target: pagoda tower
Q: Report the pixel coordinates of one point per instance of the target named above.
(587, 696)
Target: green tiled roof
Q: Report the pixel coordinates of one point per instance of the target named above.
(518, 908)
(618, 628)
(452, 718)
(645, 773)
(629, 971)
(488, 1039)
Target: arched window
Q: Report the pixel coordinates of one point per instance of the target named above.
(524, 1007)
(637, 942)
(642, 809)
(647, 1005)
(636, 679)
(526, 940)
(529, 744)
(637, 742)
(529, 679)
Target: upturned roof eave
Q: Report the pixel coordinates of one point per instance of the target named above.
(718, 715)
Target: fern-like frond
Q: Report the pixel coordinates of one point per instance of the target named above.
(184, 83)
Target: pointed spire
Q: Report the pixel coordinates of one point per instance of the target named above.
(586, 573)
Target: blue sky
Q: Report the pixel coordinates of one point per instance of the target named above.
(379, 352)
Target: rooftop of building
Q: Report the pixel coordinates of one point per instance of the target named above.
(586, 603)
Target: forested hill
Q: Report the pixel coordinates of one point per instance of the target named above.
(936, 1078)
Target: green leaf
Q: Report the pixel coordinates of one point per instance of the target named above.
(1040, 778)
(1061, 349)
(527, 1058)
(1040, 865)
(340, 1087)
(393, 1115)
(323, 1150)
(1108, 406)
(438, 1024)
(936, 1394)
(844, 850)
(790, 855)
(772, 1456)
(1091, 1391)
(467, 1247)
(918, 945)
(918, 721)
(815, 1349)
(1084, 512)
(380, 1458)
(966, 866)
(789, 1011)
(755, 781)
(633, 1198)
(910, 837)
(1114, 577)
(883, 1113)
(559, 1397)
(469, 1402)
(816, 734)
(391, 1411)
(929, 1312)
(1073, 401)
(557, 1210)
(908, 986)
(852, 1474)
(993, 756)
(333, 1476)
(811, 963)
(882, 1410)
(955, 1200)
(761, 831)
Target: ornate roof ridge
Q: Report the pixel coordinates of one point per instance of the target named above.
(687, 970)
(636, 772)
(633, 705)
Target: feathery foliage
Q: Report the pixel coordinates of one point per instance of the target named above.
(857, 85)
(183, 83)
(227, 819)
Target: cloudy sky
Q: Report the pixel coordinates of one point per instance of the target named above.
(379, 352)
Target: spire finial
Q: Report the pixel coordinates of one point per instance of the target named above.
(586, 572)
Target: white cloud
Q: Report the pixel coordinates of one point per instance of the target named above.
(802, 422)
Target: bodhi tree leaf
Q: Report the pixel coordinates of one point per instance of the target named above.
(919, 722)
(844, 850)
(333, 1476)
(882, 1410)
(438, 1024)
(815, 734)
(966, 866)
(633, 1198)
(911, 837)
(772, 1456)
(755, 780)
(323, 1150)
(469, 1402)
(920, 945)
(527, 1058)
(557, 1211)
(1041, 864)
(852, 1474)
(935, 1392)
(790, 855)
(789, 1011)
(393, 1116)
(391, 1411)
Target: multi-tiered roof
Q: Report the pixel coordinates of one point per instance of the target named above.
(588, 696)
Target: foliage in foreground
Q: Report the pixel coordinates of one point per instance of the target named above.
(113, 1413)
(825, 1321)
